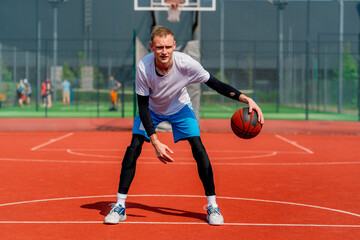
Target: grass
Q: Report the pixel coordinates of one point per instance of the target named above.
(60, 111)
(226, 110)
(269, 110)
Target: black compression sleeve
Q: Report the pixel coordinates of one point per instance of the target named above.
(223, 88)
(144, 113)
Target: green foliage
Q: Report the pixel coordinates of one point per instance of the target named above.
(6, 74)
(81, 64)
(7, 85)
(349, 63)
(99, 78)
(350, 74)
(68, 73)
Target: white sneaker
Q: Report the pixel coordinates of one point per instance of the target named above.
(116, 215)
(214, 216)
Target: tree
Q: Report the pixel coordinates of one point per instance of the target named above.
(350, 75)
(68, 73)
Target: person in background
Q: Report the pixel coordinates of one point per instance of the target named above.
(114, 87)
(20, 92)
(43, 93)
(65, 86)
(28, 92)
(49, 90)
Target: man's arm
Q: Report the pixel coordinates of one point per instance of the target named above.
(231, 92)
(223, 88)
(145, 116)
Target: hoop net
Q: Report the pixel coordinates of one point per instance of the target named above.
(173, 10)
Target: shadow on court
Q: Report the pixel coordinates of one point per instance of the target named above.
(105, 206)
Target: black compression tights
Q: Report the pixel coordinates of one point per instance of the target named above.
(133, 152)
(129, 163)
(203, 165)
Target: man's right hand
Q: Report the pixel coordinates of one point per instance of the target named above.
(161, 150)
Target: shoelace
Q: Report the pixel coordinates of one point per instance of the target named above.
(116, 208)
(212, 209)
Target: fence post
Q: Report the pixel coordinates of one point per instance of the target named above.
(134, 69)
(0, 67)
(358, 93)
(97, 79)
(307, 62)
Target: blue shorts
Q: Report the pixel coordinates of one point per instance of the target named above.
(183, 123)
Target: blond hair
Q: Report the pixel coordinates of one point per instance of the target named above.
(160, 31)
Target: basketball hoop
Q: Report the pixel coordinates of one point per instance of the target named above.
(173, 10)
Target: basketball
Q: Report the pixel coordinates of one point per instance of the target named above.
(245, 125)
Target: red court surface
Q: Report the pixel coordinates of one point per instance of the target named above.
(59, 185)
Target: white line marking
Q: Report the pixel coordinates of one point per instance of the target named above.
(180, 163)
(70, 151)
(294, 144)
(58, 161)
(90, 155)
(187, 196)
(52, 141)
(176, 150)
(185, 223)
(54, 199)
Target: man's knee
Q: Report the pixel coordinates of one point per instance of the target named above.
(133, 151)
(129, 158)
(199, 152)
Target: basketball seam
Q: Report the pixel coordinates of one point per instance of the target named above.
(256, 127)
(247, 130)
(237, 128)
(240, 131)
(242, 122)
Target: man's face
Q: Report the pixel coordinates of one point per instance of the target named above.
(163, 48)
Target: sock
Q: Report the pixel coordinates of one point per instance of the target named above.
(121, 199)
(212, 200)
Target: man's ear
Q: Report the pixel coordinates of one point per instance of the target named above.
(151, 46)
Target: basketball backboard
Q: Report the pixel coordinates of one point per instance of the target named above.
(185, 5)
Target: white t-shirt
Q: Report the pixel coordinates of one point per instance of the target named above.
(167, 94)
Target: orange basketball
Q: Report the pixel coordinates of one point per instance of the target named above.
(245, 125)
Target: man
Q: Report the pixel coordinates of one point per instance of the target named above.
(65, 86)
(161, 78)
(114, 87)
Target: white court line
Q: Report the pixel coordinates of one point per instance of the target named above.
(58, 161)
(152, 150)
(185, 223)
(213, 158)
(180, 163)
(187, 196)
(190, 196)
(122, 151)
(89, 155)
(52, 141)
(294, 144)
